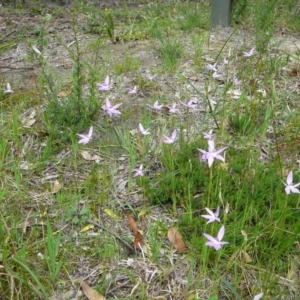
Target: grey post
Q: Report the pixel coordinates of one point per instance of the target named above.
(221, 13)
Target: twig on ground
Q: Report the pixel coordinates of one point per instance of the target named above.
(7, 35)
(114, 234)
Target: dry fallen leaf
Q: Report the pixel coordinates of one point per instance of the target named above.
(25, 165)
(132, 223)
(246, 257)
(87, 156)
(242, 256)
(110, 213)
(233, 256)
(133, 132)
(65, 93)
(138, 239)
(27, 119)
(43, 213)
(89, 292)
(87, 228)
(56, 187)
(176, 239)
(142, 213)
(28, 123)
(234, 93)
